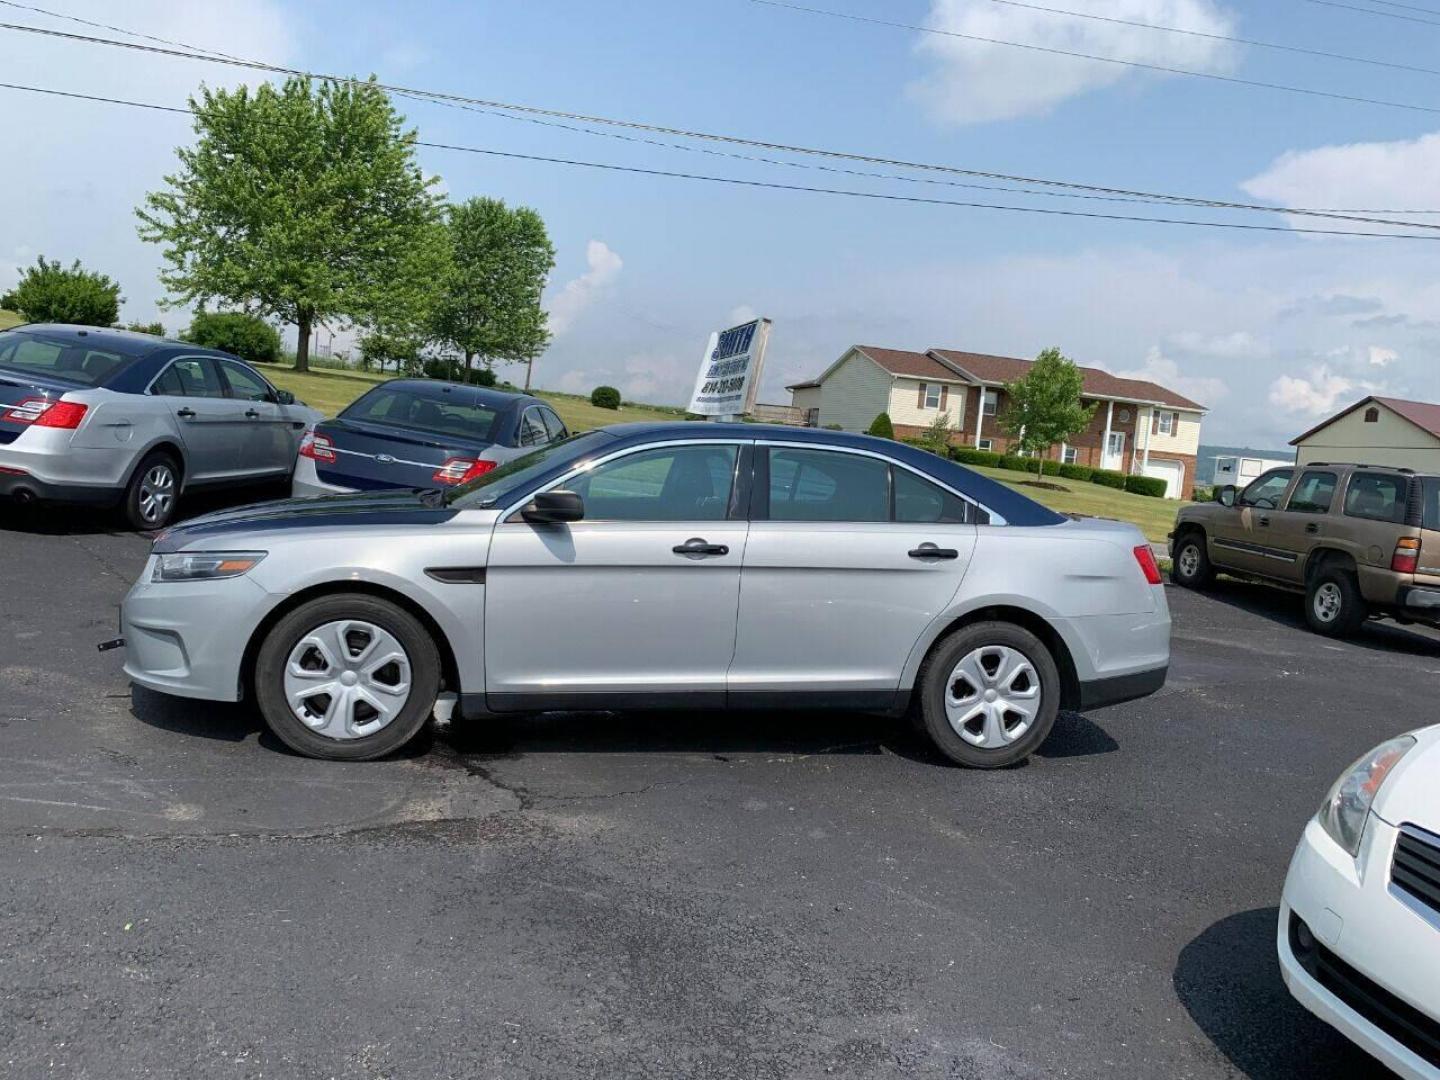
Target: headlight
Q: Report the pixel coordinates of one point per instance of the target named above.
(205, 565)
(1346, 808)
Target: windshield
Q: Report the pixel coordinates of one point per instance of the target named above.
(497, 484)
(66, 361)
(425, 412)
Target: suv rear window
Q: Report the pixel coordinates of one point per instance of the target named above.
(1377, 496)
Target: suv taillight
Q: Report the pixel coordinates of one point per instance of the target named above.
(457, 470)
(317, 447)
(1148, 566)
(41, 412)
(1407, 555)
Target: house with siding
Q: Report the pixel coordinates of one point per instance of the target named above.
(1376, 431)
(1139, 427)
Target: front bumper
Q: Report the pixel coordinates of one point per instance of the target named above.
(188, 638)
(1360, 919)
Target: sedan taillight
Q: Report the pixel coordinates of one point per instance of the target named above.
(41, 412)
(458, 470)
(317, 447)
(1148, 566)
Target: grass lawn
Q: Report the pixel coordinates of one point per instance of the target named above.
(9, 319)
(330, 391)
(1154, 517)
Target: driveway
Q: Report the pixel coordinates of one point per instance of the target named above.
(681, 895)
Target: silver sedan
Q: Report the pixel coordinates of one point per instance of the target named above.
(107, 417)
(669, 566)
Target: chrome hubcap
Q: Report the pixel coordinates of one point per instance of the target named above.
(1327, 602)
(157, 492)
(993, 696)
(1189, 560)
(347, 679)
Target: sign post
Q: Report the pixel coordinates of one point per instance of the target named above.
(730, 371)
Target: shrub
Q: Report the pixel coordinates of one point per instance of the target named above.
(1076, 472)
(452, 371)
(1203, 494)
(1017, 463)
(881, 427)
(971, 456)
(48, 292)
(246, 336)
(154, 329)
(1049, 468)
(1109, 478)
(833, 427)
(605, 397)
(1153, 486)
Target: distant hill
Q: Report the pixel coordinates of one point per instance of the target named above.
(1205, 459)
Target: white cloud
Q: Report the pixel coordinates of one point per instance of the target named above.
(1380, 356)
(1317, 393)
(1162, 369)
(1377, 175)
(975, 82)
(579, 293)
(742, 313)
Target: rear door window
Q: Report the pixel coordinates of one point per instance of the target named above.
(922, 502)
(1313, 494)
(189, 377)
(827, 485)
(553, 424)
(1377, 496)
(532, 429)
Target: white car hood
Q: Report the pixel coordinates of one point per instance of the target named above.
(1411, 794)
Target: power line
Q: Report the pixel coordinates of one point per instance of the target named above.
(1407, 7)
(1298, 49)
(770, 185)
(1163, 68)
(1372, 11)
(632, 125)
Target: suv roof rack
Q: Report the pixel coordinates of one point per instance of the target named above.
(1353, 465)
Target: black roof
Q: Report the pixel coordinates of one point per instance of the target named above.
(122, 342)
(481, 395)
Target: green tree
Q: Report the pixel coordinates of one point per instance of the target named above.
(247, 336)
(390, 345)
(47, 292)
(1044, 406)
(154, 329)
(937, 435)
(299, 203)
(881, 427)
(488, 301)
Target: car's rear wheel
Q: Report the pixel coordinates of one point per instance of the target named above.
(153, 492)
(1333, 603)
(989, 694)
(1191, 566)
(349, 678)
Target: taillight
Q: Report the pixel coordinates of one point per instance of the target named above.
(459, 470)
(1407, 555)
(1148, 566)
(317, 447)
(41, 412)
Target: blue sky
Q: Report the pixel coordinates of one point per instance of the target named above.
(1270, 330)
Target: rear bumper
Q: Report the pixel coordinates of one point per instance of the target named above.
(1097, 693)
(305, 483)
(1420, 599)
(19, 484)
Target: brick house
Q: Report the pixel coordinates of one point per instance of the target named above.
(1139, 427)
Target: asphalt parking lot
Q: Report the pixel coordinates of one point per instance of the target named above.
(696, 896)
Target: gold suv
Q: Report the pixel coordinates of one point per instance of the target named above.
(1361, 540)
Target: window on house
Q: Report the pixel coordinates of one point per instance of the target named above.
(1069, 455)
(1165, 423)
(932, 395)
(992, 402)
(984, 444)
(1372, 415)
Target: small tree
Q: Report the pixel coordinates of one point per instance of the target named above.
(937, 435)
(487, 303)
(386, 345)
(881, 427)
(605, 397)
(1044, 406)
(300, 203)
(247, 336)
(154, 329)
(49, 293)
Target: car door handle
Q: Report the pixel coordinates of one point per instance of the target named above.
(1263, 521)
(930, 551)
(252, 414)
(185, 414)
(1313, 527)
(697, 546)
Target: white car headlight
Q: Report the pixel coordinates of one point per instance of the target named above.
(204, 565)
(1346, 809)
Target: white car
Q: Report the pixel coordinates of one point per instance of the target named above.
(1359, 933)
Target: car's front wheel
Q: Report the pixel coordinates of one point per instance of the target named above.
(347, 677)
(988, 694)
(1191, 567)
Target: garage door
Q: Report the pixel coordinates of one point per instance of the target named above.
(1172, 472)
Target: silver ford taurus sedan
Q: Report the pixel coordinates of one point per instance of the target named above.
(108, 417)
(667, 566)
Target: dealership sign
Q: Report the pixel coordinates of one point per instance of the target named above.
(730, 371)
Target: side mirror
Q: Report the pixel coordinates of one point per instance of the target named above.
(1225, 496)
(285, 397)
(553, 508)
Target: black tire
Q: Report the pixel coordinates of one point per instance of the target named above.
(1191, 571)
(1333, 603)
(933, 681)
(424, 676)
(156, 511)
